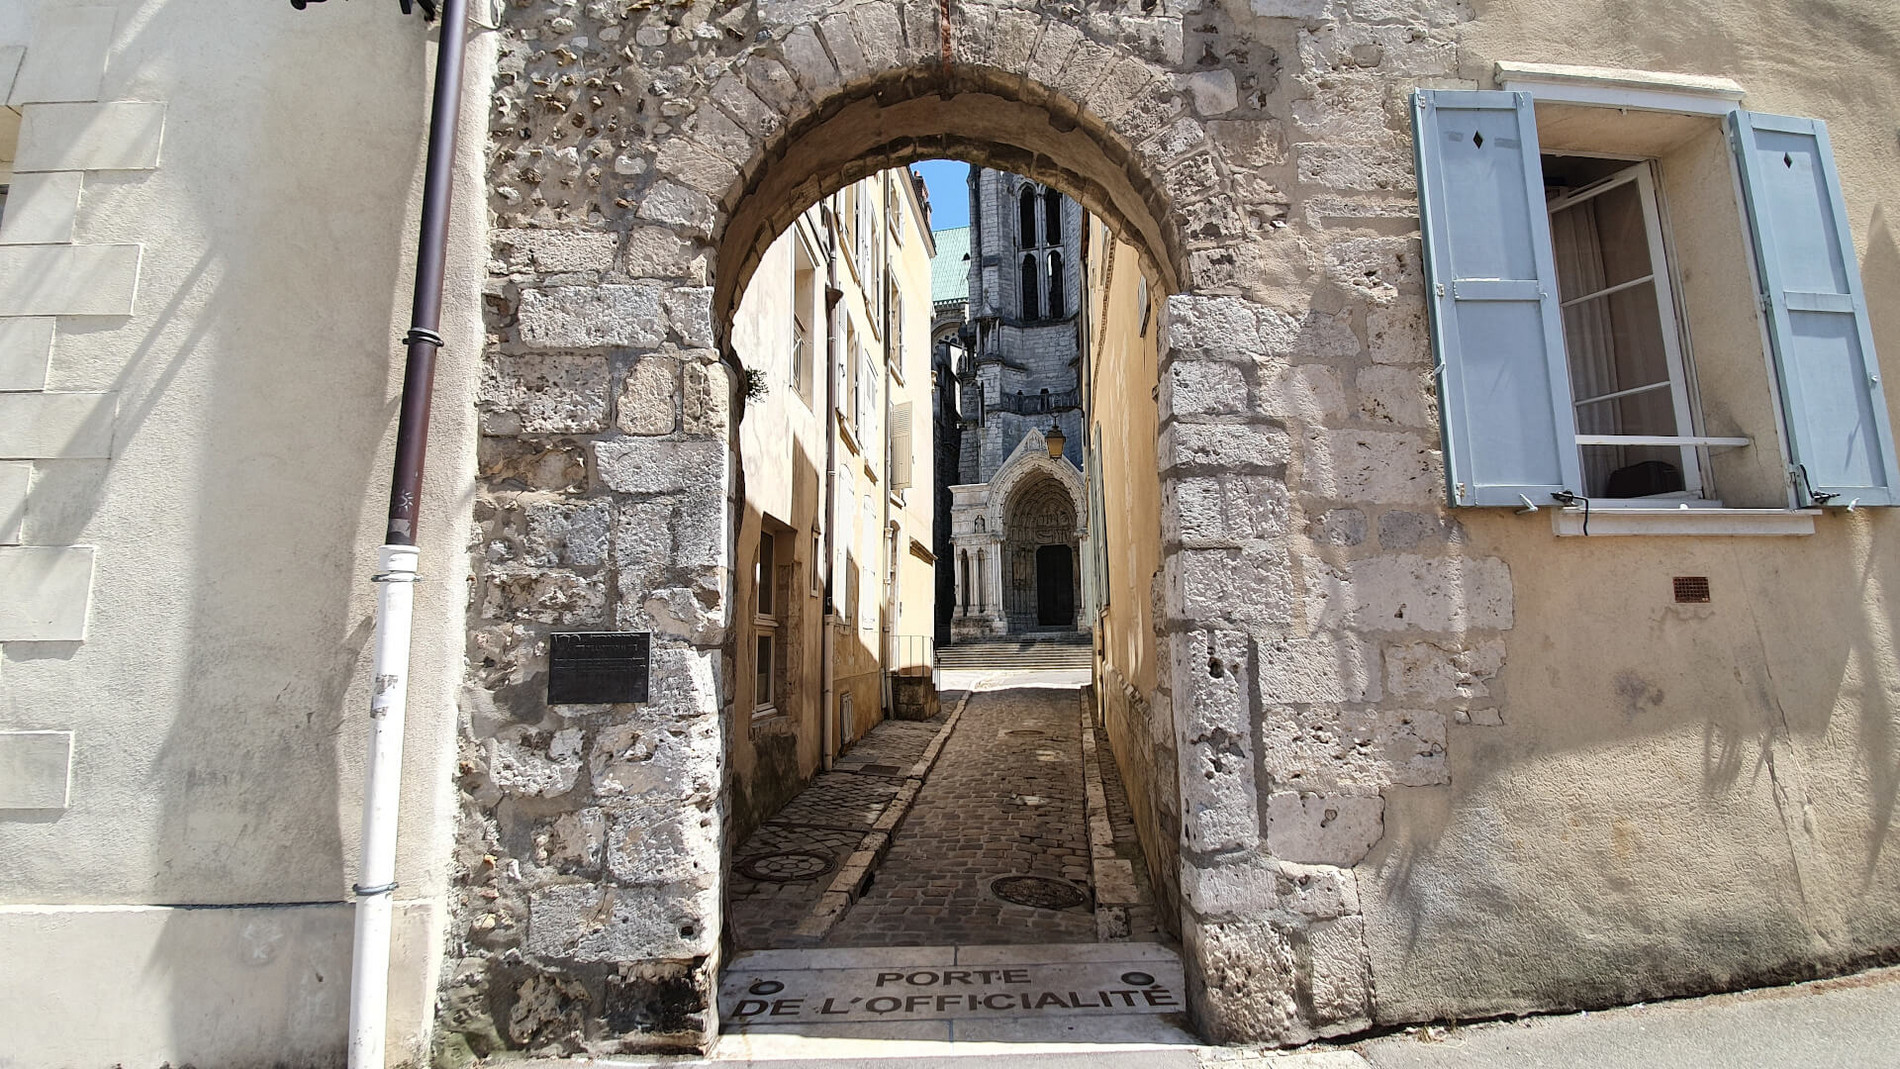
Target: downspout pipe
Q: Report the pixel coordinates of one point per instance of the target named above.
(395, 578)
(828, 639)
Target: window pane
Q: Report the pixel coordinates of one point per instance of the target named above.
(1600, 242)
(1615, 344)
(762, 686)
(762, 574)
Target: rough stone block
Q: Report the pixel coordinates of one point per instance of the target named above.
(1252, 587)
(689, 313)
(809, 63)
(13, 481)
(1219, 797)
(41, 208)
(649, 399)
(842, 41)
(567, 534)
(1366, 168)
(36, 426)
(706, 406)
(696, 166)
(1246, 989)
(560, 251)
(649, 844)
(583, 317)
(1323, 829)
(1377, 269)
(1321, 668)
(1339, 976)
(538, 765)
(1339, 527)
(36, 769)
(1290, 9)
(1373, 466)
(550, 596)
(26, 348)
(68, 280)
(1213, 92)
(675, 205)
(1255, 886)
(1398, 333)
(558, 393)
(651, 760)
(1052, 50)
(1218, 511)
(120, 136)
(1410, 592)
(1442, 672)
(66, 59)
(572, 842)
(643, 541)
(1398, 395)
(1326, 747)
(1202, 388)
(583, 922)
(1307, 392)
(1226, 446)
(648, 466)
(1411, 530)
(656, 252)
(44, 592)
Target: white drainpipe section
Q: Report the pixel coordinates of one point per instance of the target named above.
(375, 891)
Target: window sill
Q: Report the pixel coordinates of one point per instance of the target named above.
(1606, 521)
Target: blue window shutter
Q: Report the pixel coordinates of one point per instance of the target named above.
(1839, 434)
(1503, 385)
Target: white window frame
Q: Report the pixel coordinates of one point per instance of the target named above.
(1681, 384)
(766, 606)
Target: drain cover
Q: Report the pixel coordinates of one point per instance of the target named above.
(880, 770)
(1026, 733)
(1040, 892)
(789, 866)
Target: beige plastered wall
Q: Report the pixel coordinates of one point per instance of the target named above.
(782, 451)
(1123, 341)
(1679, 796)
(217, 700)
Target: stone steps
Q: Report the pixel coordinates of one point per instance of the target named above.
(1058, 651)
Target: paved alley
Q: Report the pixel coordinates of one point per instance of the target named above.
(1002, 810)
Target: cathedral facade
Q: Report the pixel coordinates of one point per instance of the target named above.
(1018, 514)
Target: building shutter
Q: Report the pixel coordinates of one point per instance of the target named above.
(1839, 434)
(900, 446)
(1504, 391)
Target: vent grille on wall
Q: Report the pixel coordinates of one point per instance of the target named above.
(1692, 588)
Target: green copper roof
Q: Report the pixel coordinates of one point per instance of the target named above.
(950, 268)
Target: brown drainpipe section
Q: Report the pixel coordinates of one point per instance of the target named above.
(425, 316)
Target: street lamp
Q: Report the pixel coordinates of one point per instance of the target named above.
(1056, 441)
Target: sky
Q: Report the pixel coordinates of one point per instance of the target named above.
(948, 182)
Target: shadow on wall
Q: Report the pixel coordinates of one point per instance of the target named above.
(264, 368)
(1691, 753)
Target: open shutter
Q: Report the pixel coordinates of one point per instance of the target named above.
(900, 446)
(1838, 429)
(1503, 386)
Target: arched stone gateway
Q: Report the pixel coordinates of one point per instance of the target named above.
(644, 158)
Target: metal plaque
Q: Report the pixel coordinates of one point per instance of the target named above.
(598, 667)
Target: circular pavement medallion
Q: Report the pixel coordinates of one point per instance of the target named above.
(1040, 892)
(789, 866)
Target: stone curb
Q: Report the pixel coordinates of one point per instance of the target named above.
(854, 876)
(1113, 877)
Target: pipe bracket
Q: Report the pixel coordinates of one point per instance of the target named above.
(360, 891)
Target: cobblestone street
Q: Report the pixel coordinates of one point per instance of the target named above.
(1004, 798)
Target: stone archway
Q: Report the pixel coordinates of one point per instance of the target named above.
(1041, 589)
(639, 173)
